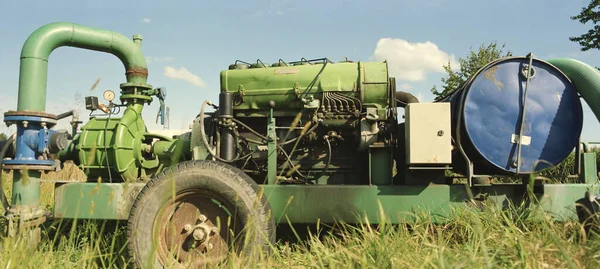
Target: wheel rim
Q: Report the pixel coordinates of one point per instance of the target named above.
(196, 228)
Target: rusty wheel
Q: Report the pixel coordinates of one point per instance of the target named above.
(198, 213)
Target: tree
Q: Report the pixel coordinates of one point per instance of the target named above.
(468, 66)
(589, 40)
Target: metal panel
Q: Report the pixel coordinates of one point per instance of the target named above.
(428, 137)
(88, 200)
(327, 204)
(354, 204)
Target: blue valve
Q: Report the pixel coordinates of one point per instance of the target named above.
(33, 138)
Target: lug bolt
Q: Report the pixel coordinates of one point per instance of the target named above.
(199, 234)
(202, 218)
(214, 230)
(187, 228)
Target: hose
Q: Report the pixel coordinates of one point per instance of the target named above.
(328, 158)
(584, 77)
(10, 140)
(404, 98)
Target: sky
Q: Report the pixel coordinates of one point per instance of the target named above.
(187, 43)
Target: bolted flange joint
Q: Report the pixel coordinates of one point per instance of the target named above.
(34, 141)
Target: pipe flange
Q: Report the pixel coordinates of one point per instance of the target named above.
(15, 117)
(30, 113)
(128, 85)
(48, 167)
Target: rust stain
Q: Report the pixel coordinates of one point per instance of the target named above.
(138, 71)
(489, 74)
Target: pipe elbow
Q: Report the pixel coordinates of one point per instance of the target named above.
(57, 34)
(44, 40)
(404, 98)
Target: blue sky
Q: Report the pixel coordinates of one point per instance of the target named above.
(195, 40)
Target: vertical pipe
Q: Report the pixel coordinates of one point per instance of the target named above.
(26, 188)
(227, 150)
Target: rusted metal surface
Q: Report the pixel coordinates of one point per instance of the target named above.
(194, 230)
(30, 113)
(489, 74)
(137, 71)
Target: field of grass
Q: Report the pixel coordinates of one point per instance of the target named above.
(491, 239)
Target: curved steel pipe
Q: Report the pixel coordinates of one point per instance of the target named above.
(36, 50)
(404, 98)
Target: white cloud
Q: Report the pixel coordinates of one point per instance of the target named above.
(421, 97)
(411, 61)
(146, 20)
(152, 59)
(405, 87)
(183, 74)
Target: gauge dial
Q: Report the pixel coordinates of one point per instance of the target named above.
(109, 95)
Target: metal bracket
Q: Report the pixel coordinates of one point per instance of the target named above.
(272, 150)
(529, 75)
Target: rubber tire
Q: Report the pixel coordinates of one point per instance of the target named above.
(230, 182)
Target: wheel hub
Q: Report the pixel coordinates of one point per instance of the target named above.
(190, 230)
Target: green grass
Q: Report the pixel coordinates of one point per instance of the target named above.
(491, 239)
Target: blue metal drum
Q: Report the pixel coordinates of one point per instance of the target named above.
(489, 109)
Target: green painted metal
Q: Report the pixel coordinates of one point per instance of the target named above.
(117, 139)
(253, 88)
(123, 145)
(381, 163)
(350, 204)
(119, 144)
(354, 204)
(589, 171)
(36, 51)
(75, 200)
(26, 188)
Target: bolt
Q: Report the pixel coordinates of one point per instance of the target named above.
(43, 124)
(187, 228)
(210, 246)
(25, 124)
(202, 218)
(199, 234)
(214, 230)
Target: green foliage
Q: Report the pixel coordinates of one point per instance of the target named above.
(590, 39)
(467, 67)
(3, 136)
(560, 172)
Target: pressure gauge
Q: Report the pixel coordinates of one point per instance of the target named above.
(109, 95)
